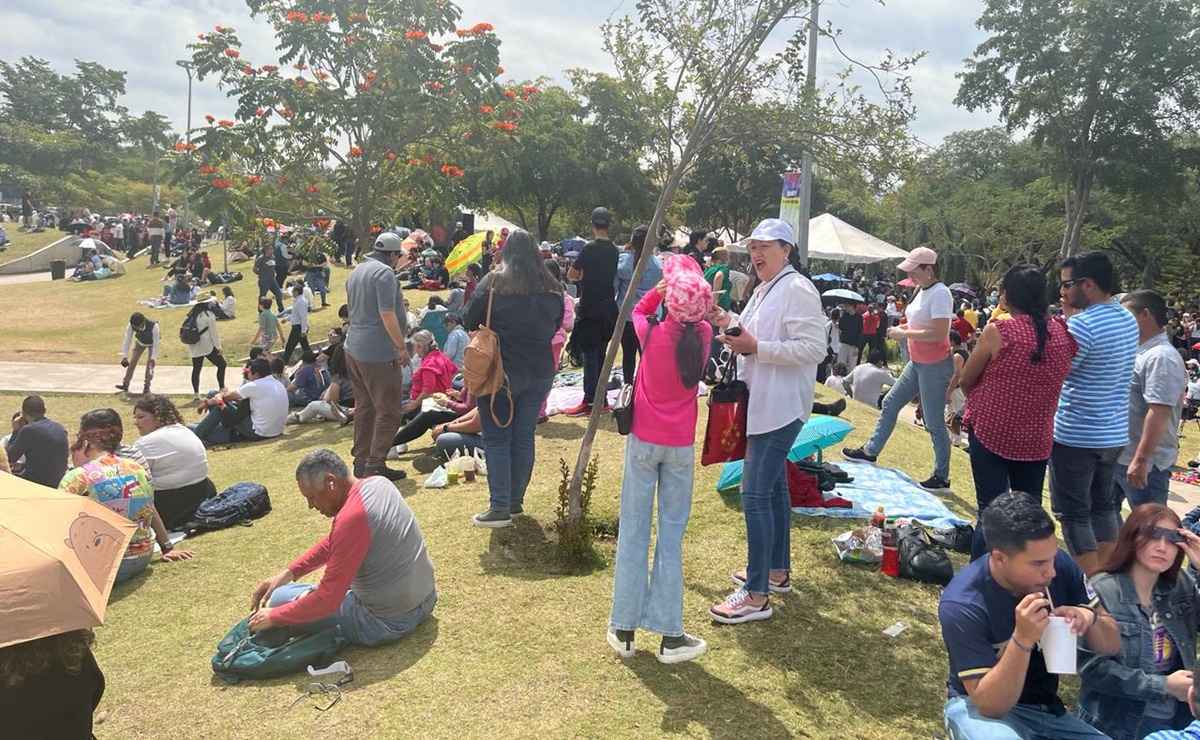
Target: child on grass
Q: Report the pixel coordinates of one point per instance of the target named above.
(659, 462)
(269, 328)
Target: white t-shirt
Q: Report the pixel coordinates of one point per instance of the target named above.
(176, 456)
(229, 306)
(836, 382)
(928, 305)
(268, 405)
(867, 381)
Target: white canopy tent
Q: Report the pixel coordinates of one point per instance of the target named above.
(830, 238)
(487, 221)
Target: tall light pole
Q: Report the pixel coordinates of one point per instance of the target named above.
(806, 166)
(190, 69)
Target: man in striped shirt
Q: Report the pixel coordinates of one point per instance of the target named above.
(1091, 425)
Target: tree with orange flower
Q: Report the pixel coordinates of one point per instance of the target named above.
(371, 111)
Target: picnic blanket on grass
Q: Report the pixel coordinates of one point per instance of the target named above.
(897, 493)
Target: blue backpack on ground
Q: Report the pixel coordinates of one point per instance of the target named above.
(237, 505)
(243, 654)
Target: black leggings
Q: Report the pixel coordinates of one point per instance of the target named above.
(630, 349)
(421, 423)
(198, 362)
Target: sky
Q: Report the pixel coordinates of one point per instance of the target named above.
(540, 37)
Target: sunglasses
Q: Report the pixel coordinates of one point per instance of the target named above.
(1172, 536)
(1072, 281)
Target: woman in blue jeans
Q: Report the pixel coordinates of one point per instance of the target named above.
(781, 339)
(523, 304)
(927, 374)
(660, 459)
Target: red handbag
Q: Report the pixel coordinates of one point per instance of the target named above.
(725, 435)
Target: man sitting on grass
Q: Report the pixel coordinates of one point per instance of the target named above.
(255, 411)
(994, 612)
(378, 583)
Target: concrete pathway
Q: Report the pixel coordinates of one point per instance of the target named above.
(37, 377)
(29, 277)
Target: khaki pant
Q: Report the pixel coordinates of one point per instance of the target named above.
(134, 356)
(377, 405)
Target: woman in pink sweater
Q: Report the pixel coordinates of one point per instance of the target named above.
(659, 457)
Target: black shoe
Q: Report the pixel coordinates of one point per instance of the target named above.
(1194, 463)
(385, 472)
(123, 387)
(829, 409)
(426, 463)
(935, 483)
(859, 454)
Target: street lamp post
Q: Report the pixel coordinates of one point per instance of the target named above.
(806, 166)
(190, 69)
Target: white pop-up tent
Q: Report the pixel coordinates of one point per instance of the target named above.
(487, 221)
(830, 238)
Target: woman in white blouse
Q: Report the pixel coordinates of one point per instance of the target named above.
(781, 341)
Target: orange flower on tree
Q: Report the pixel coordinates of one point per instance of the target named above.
(209, 118)
(300, 84)
(300, 67)
(434, 86)
(313, 189)
(286, 112)
(486, 109)
(482, 28)
(321, 75)
(221, 182)
(428, 159)
(391, 156)
(232, 53)
(450, 170)
(253, 180)
(510, 94)
(437, 48)
(504, 126)
(270, 68)
(355, 151)
(530, 90)
(260, 112)
(370, 76)
(353, 37)
(225, 123)
(247, 70)
(208, 169)
(499, 70)
(201, 36)
(220, 29)
(415, 35)
(413, 162)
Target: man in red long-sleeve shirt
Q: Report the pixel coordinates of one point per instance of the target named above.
(378, 583)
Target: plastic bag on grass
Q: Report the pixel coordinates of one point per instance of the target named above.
(438, 478)
(863, 545)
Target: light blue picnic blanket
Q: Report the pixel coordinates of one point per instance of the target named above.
(878, 486)
(818, 433)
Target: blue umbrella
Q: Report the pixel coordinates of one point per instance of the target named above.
(818, 433)
(573, 244)
(829, 277)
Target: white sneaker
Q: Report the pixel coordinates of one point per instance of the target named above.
(679, 649)
(293, 418)
(397, 451)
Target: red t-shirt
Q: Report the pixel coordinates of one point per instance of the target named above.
(870, 324)
(963, 327)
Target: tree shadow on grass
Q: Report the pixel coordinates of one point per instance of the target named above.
(692, 694)
(525, 551)
(560, 430)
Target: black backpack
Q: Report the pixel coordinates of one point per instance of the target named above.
(189, 332)
(921, 559)
(236, 505)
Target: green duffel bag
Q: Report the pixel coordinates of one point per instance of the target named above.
(242, 654)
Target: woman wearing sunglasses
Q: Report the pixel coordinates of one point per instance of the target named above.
(1144, 687)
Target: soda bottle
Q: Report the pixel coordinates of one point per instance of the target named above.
(891, 549)
(877, 519)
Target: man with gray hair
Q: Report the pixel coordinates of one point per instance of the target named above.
(378, 584)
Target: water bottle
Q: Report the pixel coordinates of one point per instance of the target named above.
(891, 549)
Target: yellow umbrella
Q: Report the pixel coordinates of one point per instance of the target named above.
(468, 250)
(59, 555)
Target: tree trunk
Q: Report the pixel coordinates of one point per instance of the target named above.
(1077, 203)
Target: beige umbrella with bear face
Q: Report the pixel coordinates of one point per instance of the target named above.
(59, 555)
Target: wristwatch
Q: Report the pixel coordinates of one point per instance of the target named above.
(166, 547)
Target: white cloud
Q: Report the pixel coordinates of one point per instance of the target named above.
(540, 37)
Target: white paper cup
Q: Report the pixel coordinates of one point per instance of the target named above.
(1058, 647)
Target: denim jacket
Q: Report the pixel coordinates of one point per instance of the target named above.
(1114, 690)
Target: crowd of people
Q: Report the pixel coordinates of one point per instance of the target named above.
(1090, 390)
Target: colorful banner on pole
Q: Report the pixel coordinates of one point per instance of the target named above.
(467, 251)
(789, 201)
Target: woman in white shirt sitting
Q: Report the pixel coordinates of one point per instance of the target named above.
(176, 457)
(227, 308)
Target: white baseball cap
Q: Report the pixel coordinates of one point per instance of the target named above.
(772, 229)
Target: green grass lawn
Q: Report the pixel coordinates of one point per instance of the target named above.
(64, 321)
(516, 644)
(21, 244)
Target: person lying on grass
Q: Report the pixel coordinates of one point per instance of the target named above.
(378, 584)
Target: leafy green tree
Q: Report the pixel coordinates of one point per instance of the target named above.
(1101, 85)
(370, 113)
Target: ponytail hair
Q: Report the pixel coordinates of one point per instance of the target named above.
(1024, 288)
(689, 355)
